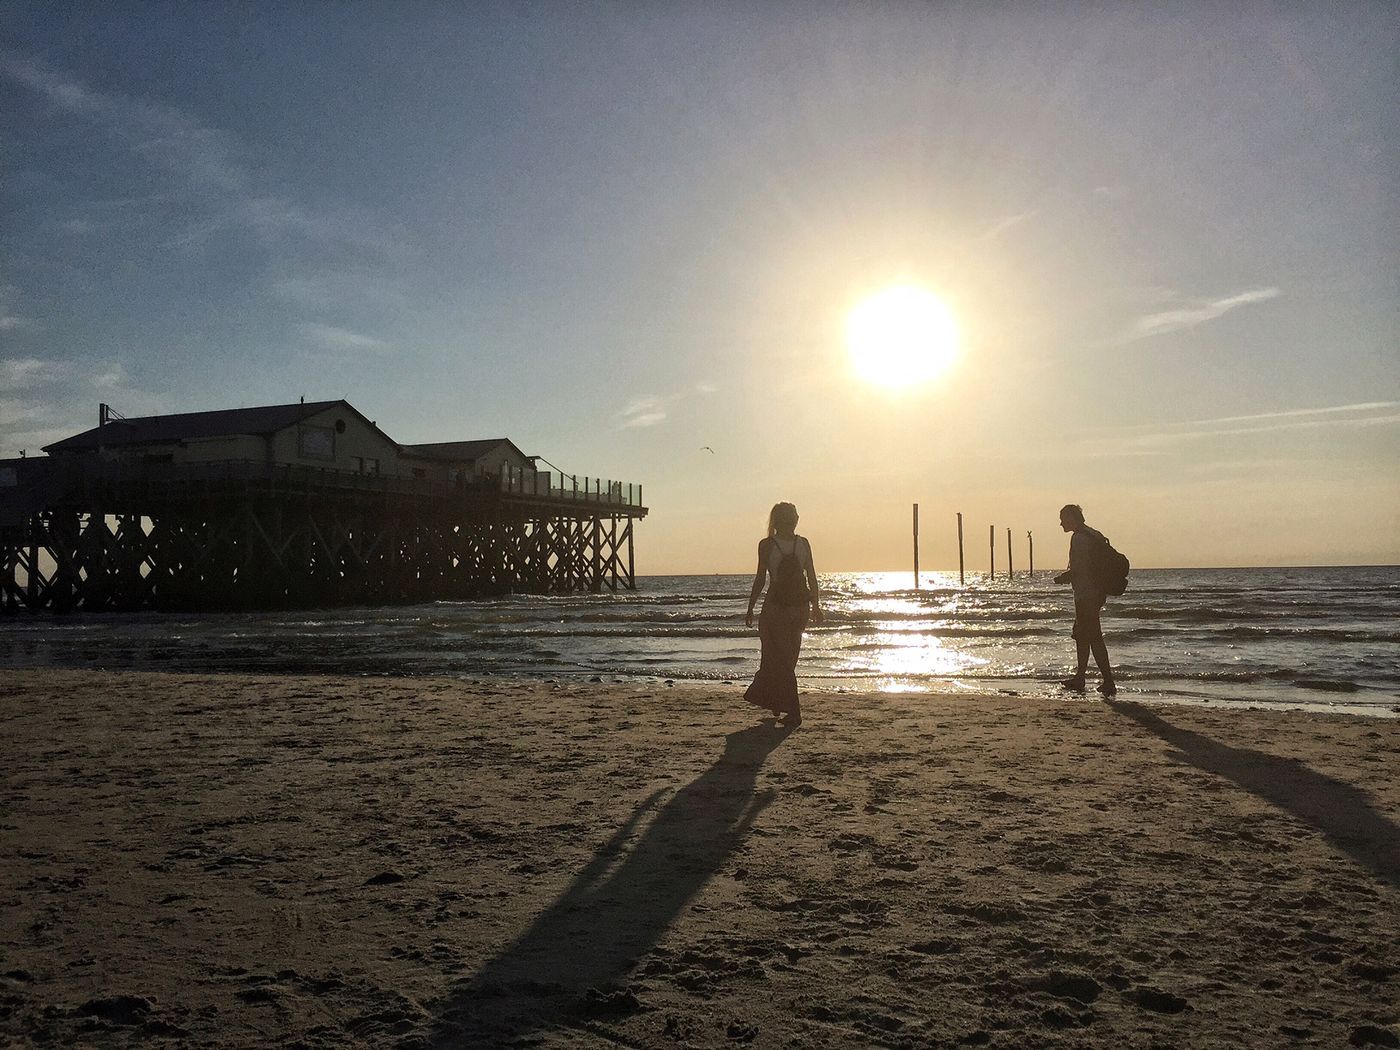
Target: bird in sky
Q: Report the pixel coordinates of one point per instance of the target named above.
(707, 448)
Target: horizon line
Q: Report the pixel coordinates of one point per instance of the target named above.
(1022, 572)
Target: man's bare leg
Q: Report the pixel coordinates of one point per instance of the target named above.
(1081, 649)
(1108, 687)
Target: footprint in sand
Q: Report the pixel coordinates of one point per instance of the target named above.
(1159, 1001)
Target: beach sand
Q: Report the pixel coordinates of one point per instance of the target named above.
(218, 860)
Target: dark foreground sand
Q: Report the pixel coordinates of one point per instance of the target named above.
(249, 861)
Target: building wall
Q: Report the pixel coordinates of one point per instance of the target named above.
(198, 451)
(495, 461)
(238, 446)
(338, 440)
(431, 469)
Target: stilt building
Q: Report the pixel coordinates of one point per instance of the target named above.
(298, 505)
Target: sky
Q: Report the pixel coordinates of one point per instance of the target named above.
(628, 236)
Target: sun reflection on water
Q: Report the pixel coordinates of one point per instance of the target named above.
(908, 655)
(880, 629)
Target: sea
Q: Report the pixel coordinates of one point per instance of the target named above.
(1315, 638)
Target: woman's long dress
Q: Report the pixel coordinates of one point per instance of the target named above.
(780, 627)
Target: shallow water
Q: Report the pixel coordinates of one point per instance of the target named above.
(1315, 637)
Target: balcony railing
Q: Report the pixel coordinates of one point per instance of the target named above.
(47, 479)
(546, 484)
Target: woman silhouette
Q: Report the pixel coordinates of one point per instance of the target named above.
(785, 559)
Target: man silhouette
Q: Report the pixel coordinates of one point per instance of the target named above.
(1085, 545)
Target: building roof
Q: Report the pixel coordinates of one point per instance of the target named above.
(461, 450)
(188, 426)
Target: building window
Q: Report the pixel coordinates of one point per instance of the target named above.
(316, 442)
(367, 464)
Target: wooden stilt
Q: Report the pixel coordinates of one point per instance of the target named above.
(272, 543)
(962, 581)
(916, 546)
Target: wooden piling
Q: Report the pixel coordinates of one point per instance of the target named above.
(916, 546)
(258, 538)
(992, 546)
(1010, 561)
(1031, 540)
(962, 581)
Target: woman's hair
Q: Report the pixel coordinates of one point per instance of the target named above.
(1073, 512)
(782, 515)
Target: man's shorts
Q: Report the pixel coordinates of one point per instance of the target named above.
(1086, 618)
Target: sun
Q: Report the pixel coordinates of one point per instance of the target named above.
(901, 336)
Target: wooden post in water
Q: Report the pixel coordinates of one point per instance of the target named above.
(992, 546)
(961, 580)
(916, 546)
(1010, 562)
(1031, 540)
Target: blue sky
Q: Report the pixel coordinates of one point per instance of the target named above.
(618, 233)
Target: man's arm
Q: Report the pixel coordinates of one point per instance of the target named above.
(1074, 563)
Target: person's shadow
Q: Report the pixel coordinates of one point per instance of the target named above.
(1343, 813)
(568, 968)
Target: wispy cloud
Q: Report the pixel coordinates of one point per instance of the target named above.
(22, 373)
(329, 337)
(327, 290)
(162, 134)
(1196, 312)
(9, 320)
(1111, 192)
(1361, 415)
(650, 409)
(51, 399)
(207, 164)
(1000, 226)
(30, 441)
(645, 411)
(13, 410)
(1361, 406)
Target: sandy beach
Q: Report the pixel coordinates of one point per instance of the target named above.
(332, 861)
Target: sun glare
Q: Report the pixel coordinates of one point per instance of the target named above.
(901, 336)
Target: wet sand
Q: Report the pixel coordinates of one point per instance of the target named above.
(212, 860)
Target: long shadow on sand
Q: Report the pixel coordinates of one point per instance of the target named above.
(1344, 814)
(568, 967)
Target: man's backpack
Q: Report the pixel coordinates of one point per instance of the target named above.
(1110, 568)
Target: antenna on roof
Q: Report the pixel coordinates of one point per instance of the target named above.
(105, 414)
(303, 399)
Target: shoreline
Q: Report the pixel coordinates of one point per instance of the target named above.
(1312, 640)
(1029, 689)
(232, 860)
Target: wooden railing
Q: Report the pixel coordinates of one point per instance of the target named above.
(545, 484)
(70, 477)
(277, 476)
